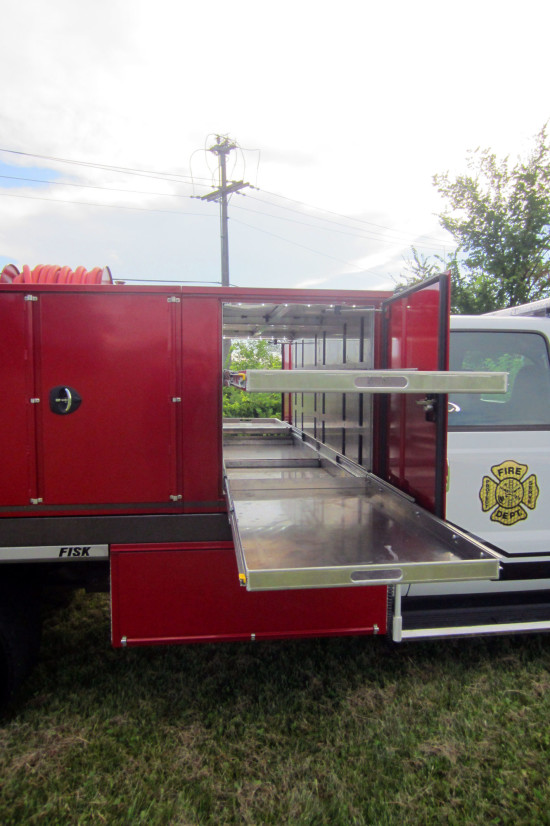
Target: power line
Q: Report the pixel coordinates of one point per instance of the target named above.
(177, 177)
(337, 214)
(109, 206)
(366, 236)
(95, 186)
(191, 214)
(165, 281)
(124, 169)
(310, 249)
(371, 236)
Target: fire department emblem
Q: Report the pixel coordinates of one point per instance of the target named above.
(509, 492)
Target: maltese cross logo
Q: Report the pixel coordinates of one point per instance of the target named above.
(507, 496)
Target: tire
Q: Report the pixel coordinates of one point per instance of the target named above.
(19, 636)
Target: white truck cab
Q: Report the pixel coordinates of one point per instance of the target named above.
(499, 445)
(498, 452)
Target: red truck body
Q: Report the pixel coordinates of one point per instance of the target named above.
(113, 448)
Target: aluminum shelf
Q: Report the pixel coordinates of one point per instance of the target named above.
(374, 381)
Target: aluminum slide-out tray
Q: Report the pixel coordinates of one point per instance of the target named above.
(301, 520)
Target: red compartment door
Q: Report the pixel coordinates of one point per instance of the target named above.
(17, 477)
(416, 336)
(116, 352)
(191, 593)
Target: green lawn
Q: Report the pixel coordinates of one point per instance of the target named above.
(335, 731)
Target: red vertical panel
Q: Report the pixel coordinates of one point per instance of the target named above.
(17, 476)
(417, 336)
(202, 403)
(117, 352)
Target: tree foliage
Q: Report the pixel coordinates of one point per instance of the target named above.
(248, 354)
(419, 267)
(499, 216)
(470, 294)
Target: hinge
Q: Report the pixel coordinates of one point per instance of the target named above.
(31, 298)
(173, 299)
(175, 497)
(36, 501)
(35, 401)
(176, 399)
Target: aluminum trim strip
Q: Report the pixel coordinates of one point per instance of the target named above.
(54, 553)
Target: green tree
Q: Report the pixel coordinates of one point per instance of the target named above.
(418, 267)
(470, 295)
(246, 354)
(499, 216)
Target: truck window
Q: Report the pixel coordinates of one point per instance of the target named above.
(525, 357)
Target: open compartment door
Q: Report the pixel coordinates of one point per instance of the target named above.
(305, 512)
(413, 428)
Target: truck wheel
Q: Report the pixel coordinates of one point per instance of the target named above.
(19, 637)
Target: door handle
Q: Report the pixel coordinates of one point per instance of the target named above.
(64, 400)
(430, 406)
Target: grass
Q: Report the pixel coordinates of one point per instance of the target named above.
(334, 731)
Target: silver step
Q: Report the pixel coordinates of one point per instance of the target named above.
(476, 630)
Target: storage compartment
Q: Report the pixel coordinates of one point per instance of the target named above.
(116, 352)
(190, 592)
(364, 388)
(91, 390)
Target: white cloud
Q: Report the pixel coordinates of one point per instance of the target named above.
(354, 107)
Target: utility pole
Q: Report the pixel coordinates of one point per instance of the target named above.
(222, 148)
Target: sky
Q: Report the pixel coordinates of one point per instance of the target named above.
(341, 113)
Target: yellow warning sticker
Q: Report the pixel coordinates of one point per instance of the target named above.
(507, 493)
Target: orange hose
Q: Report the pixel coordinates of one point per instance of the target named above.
(52, 274)
(64, 275)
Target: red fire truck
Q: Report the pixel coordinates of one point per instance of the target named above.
(119, 473)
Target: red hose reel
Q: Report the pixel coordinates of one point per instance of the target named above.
(48, 274)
